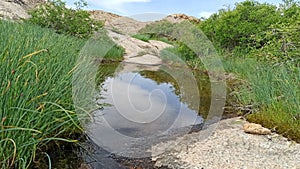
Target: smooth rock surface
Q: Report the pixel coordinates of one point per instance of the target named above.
(138, 51)
(229, 147)
(122, 24)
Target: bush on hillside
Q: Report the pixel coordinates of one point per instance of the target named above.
(283, 45)
(165, 31)
(76, 22)
(283, 48)
(241, 26)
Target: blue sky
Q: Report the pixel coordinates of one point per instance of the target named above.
(197, 8)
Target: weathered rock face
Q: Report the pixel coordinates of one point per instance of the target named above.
(13, 10)
(107, 17)
(17, 9)
(139, 52)
(228, 147)
(176, 18)
(124, 25)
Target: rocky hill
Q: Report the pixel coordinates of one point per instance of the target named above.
(128, 25)
(118, 23)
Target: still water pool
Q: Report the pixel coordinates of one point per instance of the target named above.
(144, 104)
(139, 107)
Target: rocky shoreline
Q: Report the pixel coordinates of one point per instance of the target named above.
(229, 147)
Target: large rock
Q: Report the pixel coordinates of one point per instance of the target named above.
(139, 52)
(17, 9)
(121, 24)
(135, 47)
(106, 17)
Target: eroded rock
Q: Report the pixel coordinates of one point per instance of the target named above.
(121, 24)
(253, 128)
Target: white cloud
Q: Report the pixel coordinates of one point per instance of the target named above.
(205, 14)
(115, 4)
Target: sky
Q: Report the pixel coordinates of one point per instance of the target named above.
(196, 8)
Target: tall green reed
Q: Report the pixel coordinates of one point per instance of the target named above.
(35, 91)
(273, 90)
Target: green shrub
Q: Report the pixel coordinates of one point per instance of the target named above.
(180, 50)
(241, 26)
(160, 28)
(76, 22)
(283, 45)
(164, 31)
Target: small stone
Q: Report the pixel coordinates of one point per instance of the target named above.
(253, 128)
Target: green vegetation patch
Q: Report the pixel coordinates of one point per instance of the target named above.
(36, 91)
(272, 92)
(36, 87)
(76, 22)
(260, 45)
(164, 31)
(280, 121)
(143, 37)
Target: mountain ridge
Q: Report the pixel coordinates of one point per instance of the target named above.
(18, 9)
(128, 25)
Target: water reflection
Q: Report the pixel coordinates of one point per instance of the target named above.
(144, 106)
(141, 103)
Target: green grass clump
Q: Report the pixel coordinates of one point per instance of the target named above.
(143, 37)
(270, 86)
(274, 91)
(36, 91)
(281, 121)
(146, 37)
(114, 54)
